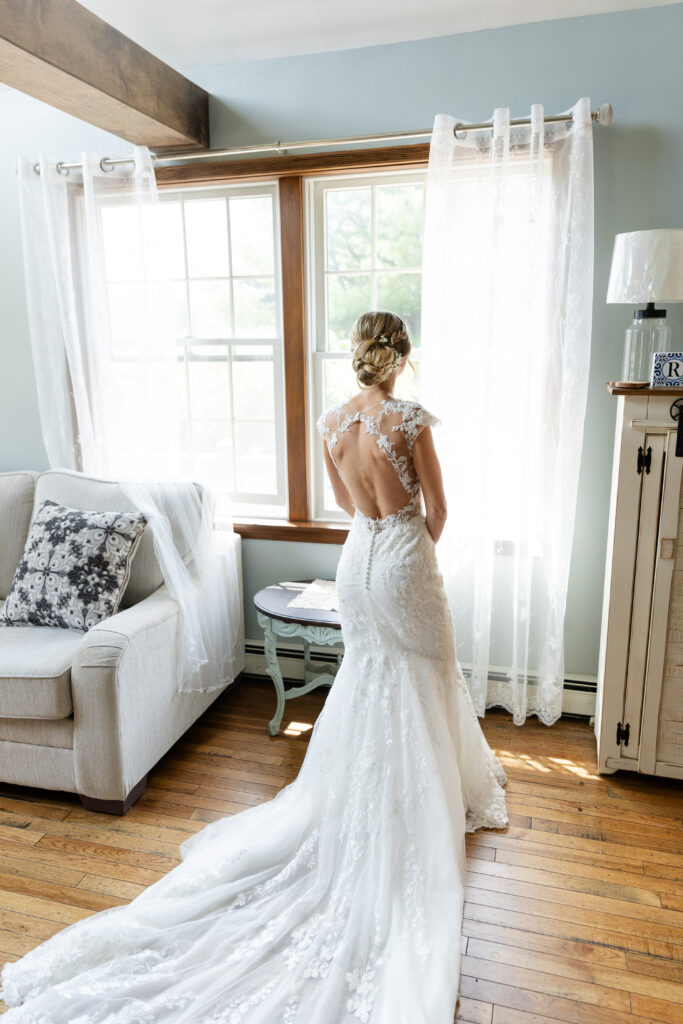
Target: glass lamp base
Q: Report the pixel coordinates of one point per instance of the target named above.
(643, 339)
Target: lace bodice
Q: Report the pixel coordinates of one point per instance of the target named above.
(395, 424)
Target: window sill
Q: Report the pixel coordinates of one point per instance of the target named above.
(313, 531)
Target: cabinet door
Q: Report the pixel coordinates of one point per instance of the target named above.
(661, 738)
(631, 436)
(643, 581)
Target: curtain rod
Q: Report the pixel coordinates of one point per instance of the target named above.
(601, 116)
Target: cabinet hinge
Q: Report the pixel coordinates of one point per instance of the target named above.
(622, 733)
(644, 460)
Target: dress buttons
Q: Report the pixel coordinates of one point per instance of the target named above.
(369, 561)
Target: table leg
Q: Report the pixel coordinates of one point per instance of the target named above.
(308, 675)
(270, 651)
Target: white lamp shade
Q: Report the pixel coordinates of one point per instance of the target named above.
(647, 266)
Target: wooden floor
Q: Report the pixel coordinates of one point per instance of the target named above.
(574, 913)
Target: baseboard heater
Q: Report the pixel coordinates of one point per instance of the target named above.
(578, 693)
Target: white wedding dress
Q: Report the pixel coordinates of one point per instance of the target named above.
(339, 900)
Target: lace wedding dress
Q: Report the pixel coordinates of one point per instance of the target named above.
(339, 900)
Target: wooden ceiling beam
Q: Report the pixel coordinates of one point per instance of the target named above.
(58, 52)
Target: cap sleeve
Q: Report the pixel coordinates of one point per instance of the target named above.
(420, 419)
(426, 418)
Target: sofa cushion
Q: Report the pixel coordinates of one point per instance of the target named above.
(39, 732)
(35, 671)
(88, 492)
(16, 504)
(74, 568)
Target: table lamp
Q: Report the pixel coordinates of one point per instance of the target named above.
(647, 267)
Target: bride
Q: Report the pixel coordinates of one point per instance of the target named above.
(340, 900)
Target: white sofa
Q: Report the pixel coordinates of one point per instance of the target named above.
(90, 713)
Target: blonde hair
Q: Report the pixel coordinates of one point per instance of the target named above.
(379, 340)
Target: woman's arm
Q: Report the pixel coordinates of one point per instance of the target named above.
(341, 495)
(428, 470)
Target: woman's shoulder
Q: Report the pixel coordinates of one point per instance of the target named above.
(328, 417)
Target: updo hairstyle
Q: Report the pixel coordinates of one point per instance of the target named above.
(379, 340)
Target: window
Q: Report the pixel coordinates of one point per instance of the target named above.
(364, 251)
(220, 265)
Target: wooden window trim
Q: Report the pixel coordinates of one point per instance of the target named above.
(222, 172)
(290, 172)
(314, 531)
(294, 336)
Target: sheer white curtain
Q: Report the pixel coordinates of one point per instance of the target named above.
(507, 293)
(110, 401)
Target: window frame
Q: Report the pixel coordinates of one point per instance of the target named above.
(225, 191)
(291, 174)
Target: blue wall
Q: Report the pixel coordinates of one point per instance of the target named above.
(630, 59)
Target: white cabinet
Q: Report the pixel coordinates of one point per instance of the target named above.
(639, 707)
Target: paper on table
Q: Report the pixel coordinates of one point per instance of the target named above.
(320, 594)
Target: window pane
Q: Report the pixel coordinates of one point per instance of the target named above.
(209, 378)
(212, 255)
(398, 217)
(206, 235)
(348, 295)
(347, 227)
(401, 293)
(251, 235)
(406, 382)
(210, 309)
(255, 448)
(339, 381)
(254, 308)
(169, 301)
(163, 239)
(122, 243)
(253, 387)
(128, 309)
(211, 441)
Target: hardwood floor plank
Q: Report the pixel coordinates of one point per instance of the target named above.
(112, 887)
(655, 967)
(557, 922)
(612, 905)
(656, 1009)
(621, 926)
(554, 879)
(577, 949)
(577, 968)
(506, 1015)
(473, 1011)
(592, 845)
(110, 857)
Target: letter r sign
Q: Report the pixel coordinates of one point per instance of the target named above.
(667, 369)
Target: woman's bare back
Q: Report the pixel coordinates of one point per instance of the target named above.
(371, 446)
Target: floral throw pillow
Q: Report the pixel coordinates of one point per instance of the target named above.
(74, 568)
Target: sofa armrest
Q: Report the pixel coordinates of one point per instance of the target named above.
(127, 708)
(123, 680)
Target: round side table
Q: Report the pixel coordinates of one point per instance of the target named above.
(312, 625)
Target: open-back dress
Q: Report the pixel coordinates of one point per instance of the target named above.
(339, 900)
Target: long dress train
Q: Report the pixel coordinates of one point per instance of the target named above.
(339, 900)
